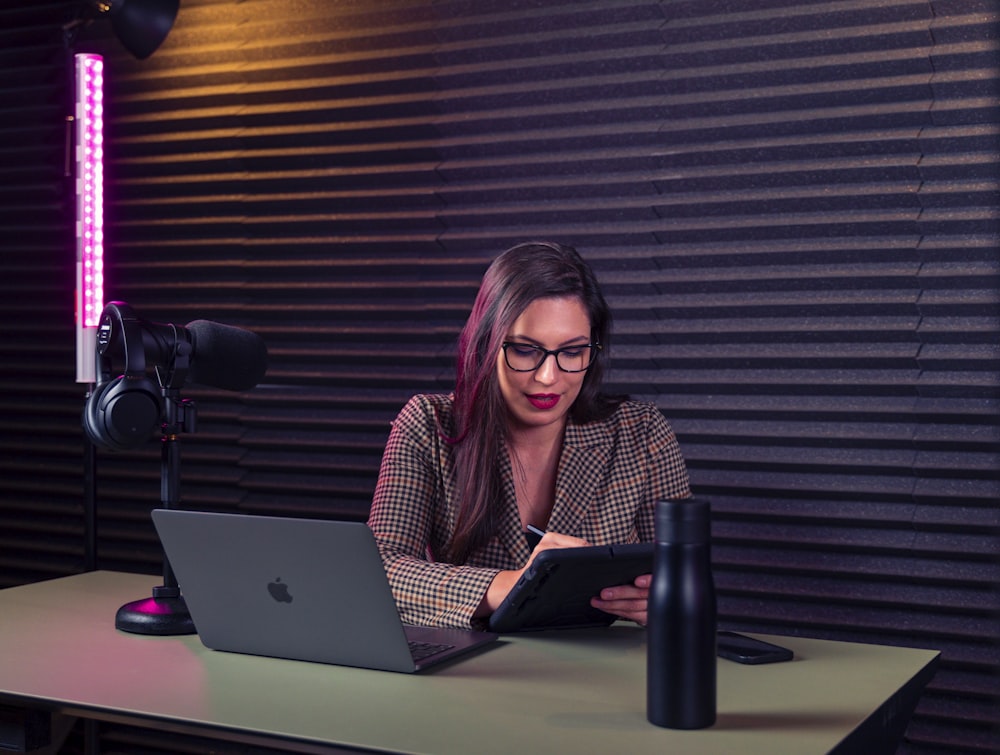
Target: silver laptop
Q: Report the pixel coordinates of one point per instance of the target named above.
(305, 589)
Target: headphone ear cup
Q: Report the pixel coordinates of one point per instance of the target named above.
(92, 419)
(123, 413)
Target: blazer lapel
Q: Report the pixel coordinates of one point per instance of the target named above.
(584, 460)
(511, 535)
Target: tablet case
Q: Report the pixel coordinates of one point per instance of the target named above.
(555, 590)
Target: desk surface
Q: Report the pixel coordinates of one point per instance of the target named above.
(582, 689)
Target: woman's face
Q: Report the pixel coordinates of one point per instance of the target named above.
(544, 396)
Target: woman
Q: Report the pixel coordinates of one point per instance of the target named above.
(526, 439)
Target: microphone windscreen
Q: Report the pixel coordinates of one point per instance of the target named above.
(226, 357)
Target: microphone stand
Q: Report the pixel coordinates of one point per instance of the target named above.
(166, 612)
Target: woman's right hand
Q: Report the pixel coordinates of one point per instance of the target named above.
(504, 581)
(555, 540)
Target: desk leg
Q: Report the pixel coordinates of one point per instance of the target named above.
(91, 737)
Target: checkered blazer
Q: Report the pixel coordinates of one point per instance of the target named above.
(610, 476)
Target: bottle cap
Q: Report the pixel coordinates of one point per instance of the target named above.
(686, 520)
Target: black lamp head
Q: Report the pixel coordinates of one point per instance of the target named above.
(140, 25)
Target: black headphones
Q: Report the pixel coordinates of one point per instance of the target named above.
(122, 412)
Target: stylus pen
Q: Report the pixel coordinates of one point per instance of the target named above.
(533, 529)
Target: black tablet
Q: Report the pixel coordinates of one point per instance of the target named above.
(555, 591)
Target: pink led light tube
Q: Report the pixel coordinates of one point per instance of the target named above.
(89, 119)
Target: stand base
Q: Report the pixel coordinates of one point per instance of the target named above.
(154, 615)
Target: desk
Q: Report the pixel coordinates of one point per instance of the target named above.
(568, 691)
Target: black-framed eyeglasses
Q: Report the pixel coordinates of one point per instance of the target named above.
(526, 357)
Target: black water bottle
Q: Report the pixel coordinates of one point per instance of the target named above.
(680, 653)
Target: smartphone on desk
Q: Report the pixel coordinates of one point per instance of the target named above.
(742, 649)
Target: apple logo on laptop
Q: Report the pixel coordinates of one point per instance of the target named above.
(279, 591)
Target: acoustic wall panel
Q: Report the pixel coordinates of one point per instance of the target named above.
(792, 206)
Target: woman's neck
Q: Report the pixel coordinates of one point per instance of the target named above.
(534, 459)
(531, 439)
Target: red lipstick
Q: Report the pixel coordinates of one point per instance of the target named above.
(543, 400)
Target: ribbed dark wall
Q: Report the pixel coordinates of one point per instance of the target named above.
(792, 205)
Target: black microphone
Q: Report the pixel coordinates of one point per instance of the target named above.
(221, 356)
(226, 357)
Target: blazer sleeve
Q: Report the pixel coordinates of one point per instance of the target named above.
(412, 511)
(668, 473)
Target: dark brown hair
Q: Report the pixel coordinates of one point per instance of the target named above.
(515, 279)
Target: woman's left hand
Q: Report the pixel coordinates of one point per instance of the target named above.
(626, 601)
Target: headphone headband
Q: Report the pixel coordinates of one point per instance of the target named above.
(122, 412)
(120, 325)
